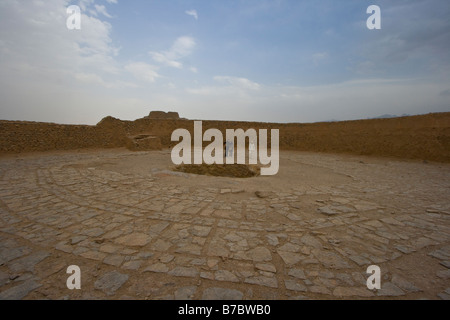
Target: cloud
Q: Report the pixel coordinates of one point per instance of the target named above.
(40, 56)
(165, 59)
(112, 1)
(84, 4)
(319, 57)
(192, 13)
(102, 9)
(233, 86)
(414, 33)
(53, 47)
(142, 71)
(242, 83)
(357, 99)
(181, 48)
(95, 79)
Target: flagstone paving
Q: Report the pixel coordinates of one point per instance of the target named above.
(154, 234)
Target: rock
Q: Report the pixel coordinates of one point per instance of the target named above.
(20, 291)
(8, 254)
(345, 278)
(404, 284)
(260, 254)
(262, 194)
(77, 239)
(190, 249)
(311, 241)
(111, 282)
(297, 273)
(184, 272)
(262, 281)
(200, 231)
(392, 221)
(222, 294)
(444, 296)
(266, 267)
(289, 247)
(166, 258)
(134, 239)
(319, 290)
(157, 267)
(327, 211)
(444, 274)
(207, 275)
(27, 263)
(185, 293)
(442, 254)
(388, 289)
(93, 255)
(272, 239)
(290, 258)
(343, 209)
(360, 260)
(114, 260)
(225, 275)
(132, 265)
(161, 245)
(326, 275)
(352, 291)
(294, 286)
(3, 278)
(331, 260)
(212, 263)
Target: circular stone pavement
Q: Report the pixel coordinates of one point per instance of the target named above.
(138, 230)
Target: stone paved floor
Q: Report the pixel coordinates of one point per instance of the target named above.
(162, 235)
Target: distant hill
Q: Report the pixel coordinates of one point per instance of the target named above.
(383, 116)
(386, 116)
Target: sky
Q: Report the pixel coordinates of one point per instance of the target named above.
(247, 60)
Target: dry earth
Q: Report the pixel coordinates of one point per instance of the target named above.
(139, 230)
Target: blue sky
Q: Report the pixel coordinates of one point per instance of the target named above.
(260, 60)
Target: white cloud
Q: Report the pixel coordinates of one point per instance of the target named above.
(84, 4)
(112, 1)
(52, 47)
(95, 79)
(165, 59)
(342, 101)
(192, 13)
(243, 88)
(319, 57)
(181, 48)
(40, 56)
(102, 9)
(142, 71)
(242, 83)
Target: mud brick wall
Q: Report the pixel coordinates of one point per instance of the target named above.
(425, 137)
(17, 137)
